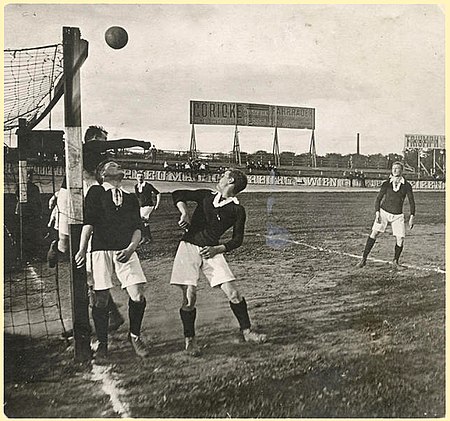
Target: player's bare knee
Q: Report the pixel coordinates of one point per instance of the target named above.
(374, 234)
(231, 292)
(400, 241)
(191, 295)
(136, 293)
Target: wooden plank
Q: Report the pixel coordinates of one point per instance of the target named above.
(74, 178)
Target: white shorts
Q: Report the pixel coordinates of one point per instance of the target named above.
(146, 211)
(397, 222)
(102, 264)
(62, 204)
(188, 264)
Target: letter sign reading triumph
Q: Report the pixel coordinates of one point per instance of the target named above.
(257, 115)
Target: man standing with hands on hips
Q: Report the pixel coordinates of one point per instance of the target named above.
(144, 192)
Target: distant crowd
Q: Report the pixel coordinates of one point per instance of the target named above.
(192, 166)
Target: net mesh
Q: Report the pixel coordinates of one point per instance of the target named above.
(30, 76)
(36, 297)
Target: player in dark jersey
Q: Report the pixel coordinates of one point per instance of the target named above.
(144, 192)
(389, 210)
(95, 150)
(200, 250)
(113, 221)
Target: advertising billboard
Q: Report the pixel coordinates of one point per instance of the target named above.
(256, 115)
(420, 141)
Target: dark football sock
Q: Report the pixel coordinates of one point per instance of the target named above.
(113, 310)
(397, 251)
(241, 313)
(101, 321)
(136, 314)
(369, 244)
(188, 320)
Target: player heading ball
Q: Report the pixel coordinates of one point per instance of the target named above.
(199, 250)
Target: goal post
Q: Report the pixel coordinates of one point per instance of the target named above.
(73, 49)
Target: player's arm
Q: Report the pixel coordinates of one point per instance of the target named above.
(185, 219)
(80, 256)
(92, 213)
(380, 196)
(158, 197)
(180, 199)
(107, 145)
(52, 200)
(412, 206)
(236, 239)
(124, 255)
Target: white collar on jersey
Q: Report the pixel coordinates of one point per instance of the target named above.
(217, 203)
(140, 186)
(107, 186)
(396, 182)
(117, 193)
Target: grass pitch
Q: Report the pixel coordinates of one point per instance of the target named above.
(344, 342)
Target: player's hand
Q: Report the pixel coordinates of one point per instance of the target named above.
(184, 221)
(208, 251)
(377, 217)
(80, 258)
(52, 202)
(411, 222)
(124, 255)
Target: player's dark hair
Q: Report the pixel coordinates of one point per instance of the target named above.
(240, 180)
(93, 131)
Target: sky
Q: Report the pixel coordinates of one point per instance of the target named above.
(376, 70)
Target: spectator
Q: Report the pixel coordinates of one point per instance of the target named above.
(30, 213)
(153, 154)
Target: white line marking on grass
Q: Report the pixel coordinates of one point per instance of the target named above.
(111, 388)
(342, 253)
(34, 275)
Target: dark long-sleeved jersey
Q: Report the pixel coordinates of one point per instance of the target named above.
(209, 223)
(113, 225)
(392, 201)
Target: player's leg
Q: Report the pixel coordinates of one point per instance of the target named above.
(145, 217)
(101, 266)
(100, 315)
(218, 273)
(399, 232)
(188, 314)
(136, 309)
(238, 306)
(185, 274)
(371, 239)
(60, 248)
(377, 228)
(115, 318)
(132, 278)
